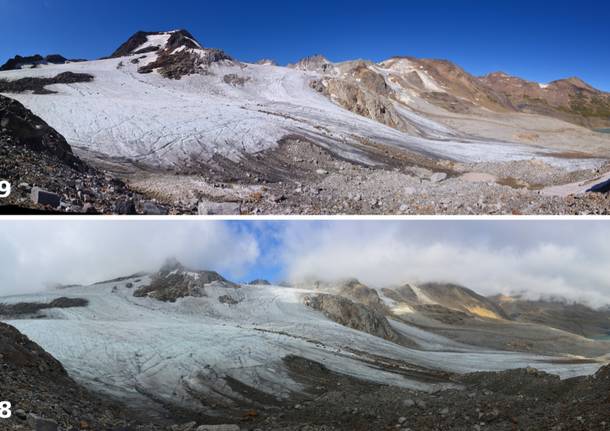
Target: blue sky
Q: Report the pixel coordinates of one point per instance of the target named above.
(535, 39)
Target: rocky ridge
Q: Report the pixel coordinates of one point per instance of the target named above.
(174, 281)
(19, 62)
(177, 53)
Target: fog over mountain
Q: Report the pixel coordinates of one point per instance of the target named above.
(564, 258)
(537, 258)
(41, 253)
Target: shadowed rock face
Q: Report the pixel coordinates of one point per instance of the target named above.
(178, 38)
(18, 350)
(20, 126)
(128, 47)
(174, 281)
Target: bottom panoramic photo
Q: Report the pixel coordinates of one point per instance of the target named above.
(191, 325)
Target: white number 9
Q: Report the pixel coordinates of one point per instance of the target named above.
(5, 189)
(5, 410)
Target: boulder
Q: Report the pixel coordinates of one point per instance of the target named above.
(125, 207)
(151, 208)
(218, 208)
(44, 197)
(437, 177)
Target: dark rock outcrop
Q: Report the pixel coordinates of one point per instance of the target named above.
(175, 65)
(177, 38)
(20, 126)
(30, 308)
(38, 85)
(260, 281)
(18, 62)
(171, 62)
(127, 48)
(174, 281)
(353, 315)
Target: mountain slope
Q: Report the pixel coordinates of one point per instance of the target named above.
(572, 317)
(153, 351)
(569, 99)
(221, 107)
(25, 365)
(192, 125)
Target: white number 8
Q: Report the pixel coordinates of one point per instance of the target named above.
(5, 410)
(5, 189)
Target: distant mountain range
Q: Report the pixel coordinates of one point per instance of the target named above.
(441, 82)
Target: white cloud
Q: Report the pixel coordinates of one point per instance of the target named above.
(36, 253)
(539, 258)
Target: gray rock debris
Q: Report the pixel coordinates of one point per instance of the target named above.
(226, 427)
(40, 424)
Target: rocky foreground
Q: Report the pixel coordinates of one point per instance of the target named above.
(46, 175)
(45, 398)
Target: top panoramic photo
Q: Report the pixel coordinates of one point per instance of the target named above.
(305, 107)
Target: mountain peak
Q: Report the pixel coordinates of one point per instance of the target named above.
(173, 54)
(316, 62)
(142, 42)
(574, 81)
(171, 264)
(499, 75)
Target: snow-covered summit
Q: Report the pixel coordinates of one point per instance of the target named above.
(142, 42)
(173, 54)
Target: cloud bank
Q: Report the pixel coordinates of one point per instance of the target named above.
(34, 254)
(536, 258)
(569, 259)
